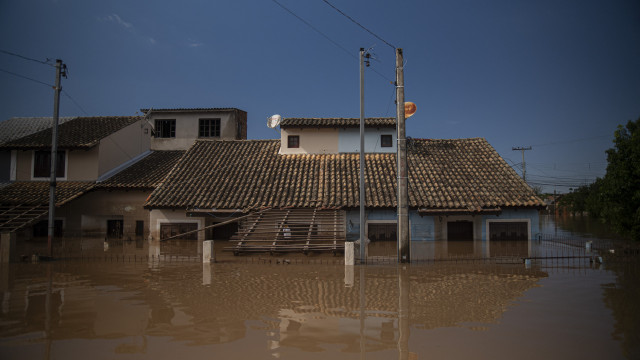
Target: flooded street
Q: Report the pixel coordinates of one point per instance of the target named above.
(140, 307)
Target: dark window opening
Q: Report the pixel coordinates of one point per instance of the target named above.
(293, 141)
(42, 164)
(114, 228)
(139, 228)
(174, 229)
(41, 228)
(165, 128)
(386, 140)
(459, 231)
(209, 128)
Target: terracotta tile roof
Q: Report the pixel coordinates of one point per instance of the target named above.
(79, 133)
(187, 110)
(461, 174)
(18, 127)
(37, 192)
(336, 122)
(144, 174)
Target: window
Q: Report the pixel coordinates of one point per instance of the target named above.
(42, 164)
(209, 128)
(293, 141)
(386, 140)
(139, 228)
(165, 128)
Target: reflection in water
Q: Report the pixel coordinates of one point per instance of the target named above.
(300, 307)
(102, 309)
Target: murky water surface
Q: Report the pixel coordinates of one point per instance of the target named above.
(101, 308)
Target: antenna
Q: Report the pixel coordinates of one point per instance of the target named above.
(274, 120)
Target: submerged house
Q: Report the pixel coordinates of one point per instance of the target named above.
(89, 148)
(306, 186)
(107, 167)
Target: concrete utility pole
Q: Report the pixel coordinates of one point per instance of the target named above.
(524, 164)
(60, 71)
(363, 258)
(404, 246)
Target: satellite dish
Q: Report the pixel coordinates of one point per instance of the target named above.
(409, 109)
(274, 121)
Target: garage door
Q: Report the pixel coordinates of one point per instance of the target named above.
(173, 229)
(506, 231)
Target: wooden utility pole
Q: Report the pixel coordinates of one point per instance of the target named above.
(60, 71)
(404, 245)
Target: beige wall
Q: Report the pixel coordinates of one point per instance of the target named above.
(187, 126)
(159, 216)
(123, 146)
(82, 165)
(312, 141)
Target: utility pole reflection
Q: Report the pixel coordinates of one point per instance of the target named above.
(404, 290)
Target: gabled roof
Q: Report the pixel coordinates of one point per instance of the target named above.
(450, 175)
(146, 173)
(336, 122)
(78, 133)
(18, 127)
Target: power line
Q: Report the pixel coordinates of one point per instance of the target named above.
(75, 102)
(26, 77)
(28, 58)
(328, 38)
(357, 23)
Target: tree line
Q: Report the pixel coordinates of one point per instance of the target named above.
(615, 198)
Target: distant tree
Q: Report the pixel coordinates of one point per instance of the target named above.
(619, 190)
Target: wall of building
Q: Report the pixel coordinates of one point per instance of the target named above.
(187, 127)
(349, 140)
(88, 215)
(123, 145)
(158, 217)
(82, 165)
(312, 141)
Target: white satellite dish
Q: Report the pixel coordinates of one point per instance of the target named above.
(274, 121)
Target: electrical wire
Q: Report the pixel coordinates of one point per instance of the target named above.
(28, 58)
(26, 78)
(357, 23)
(328, 38)
(75, 102)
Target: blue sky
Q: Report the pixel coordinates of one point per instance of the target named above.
(555, 75)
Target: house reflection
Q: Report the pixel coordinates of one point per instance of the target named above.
(307, 308)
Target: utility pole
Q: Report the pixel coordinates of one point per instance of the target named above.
(60, 71)
(404, 246)
(524, 165)
(363, 258)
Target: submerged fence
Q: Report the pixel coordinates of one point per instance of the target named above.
(545, 249)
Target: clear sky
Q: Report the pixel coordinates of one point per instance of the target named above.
(555, 75)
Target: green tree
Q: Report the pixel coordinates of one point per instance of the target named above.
(619, 190)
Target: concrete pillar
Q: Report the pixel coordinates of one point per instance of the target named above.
(349, 276)
(208, 254)
(206, 273)
(349, 253)
(8, 247)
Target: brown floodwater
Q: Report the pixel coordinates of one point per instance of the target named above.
(105, 307)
